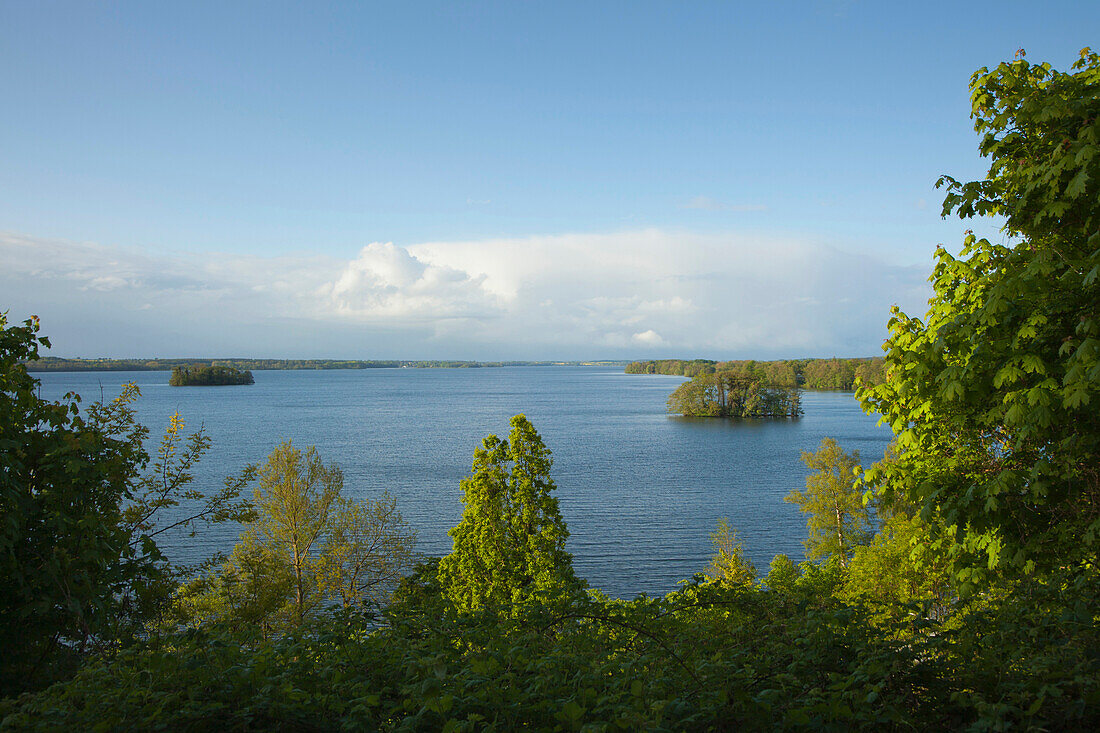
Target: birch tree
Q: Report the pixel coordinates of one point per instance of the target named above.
(838, 520)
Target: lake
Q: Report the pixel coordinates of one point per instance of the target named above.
(640, 490)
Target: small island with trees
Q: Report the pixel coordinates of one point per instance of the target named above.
(209, 376)
(757, 389)
(736, 394)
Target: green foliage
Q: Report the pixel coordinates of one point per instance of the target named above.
(64, 552)
(993, 396)
(209, 376)
(293, 503)
(509, 547)
(252, 590)
(305, 546)
(903, 569)
(737, 394)
(782, 575)
(81, 512)
(839, 374)
(368, 549)
(729, 564)
(838, 519)
(706, 657)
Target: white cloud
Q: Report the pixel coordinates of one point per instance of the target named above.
(635, 293)
(648, 338)
(387, 282)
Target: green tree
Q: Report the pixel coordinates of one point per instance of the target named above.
(729, 564)
(306, 545)
(293, 503)
(253, 589)
(782, 575)
(994, 395)
(904, 564)
(64, 553)
(509, 547)
(80, 515)
(368, 549)
(838, 520)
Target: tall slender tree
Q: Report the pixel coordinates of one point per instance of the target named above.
(729, 564)
(838, 519)
(510, 545)
(293, 502)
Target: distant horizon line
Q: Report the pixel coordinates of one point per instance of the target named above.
(112, 363)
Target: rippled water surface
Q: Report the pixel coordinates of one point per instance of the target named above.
(640, 490)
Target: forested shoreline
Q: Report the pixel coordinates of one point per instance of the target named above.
(831, 374)
(952, 585)
(757, 389)
(59, 364)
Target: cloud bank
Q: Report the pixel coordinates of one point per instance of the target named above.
(626, 294)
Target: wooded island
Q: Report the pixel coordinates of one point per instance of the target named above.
(209, 376)
(757, 389)
(734, 394)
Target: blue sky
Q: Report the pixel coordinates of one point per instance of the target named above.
(488, 180)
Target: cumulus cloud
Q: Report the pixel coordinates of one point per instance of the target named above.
(387, 282)
(634, 293)
(648, 338)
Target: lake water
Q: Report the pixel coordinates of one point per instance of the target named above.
(641, 491)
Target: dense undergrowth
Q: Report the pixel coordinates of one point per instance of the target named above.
(709, 656)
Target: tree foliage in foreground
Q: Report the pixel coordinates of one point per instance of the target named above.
(994, 396)
(509, 547)
(837, 517)
(293, 504)
(709, 656)
(82, 505)
(306, 548)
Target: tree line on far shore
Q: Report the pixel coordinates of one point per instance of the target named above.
(59, 364)
(839, 374)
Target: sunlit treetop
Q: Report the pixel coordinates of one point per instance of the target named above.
(994, 395)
